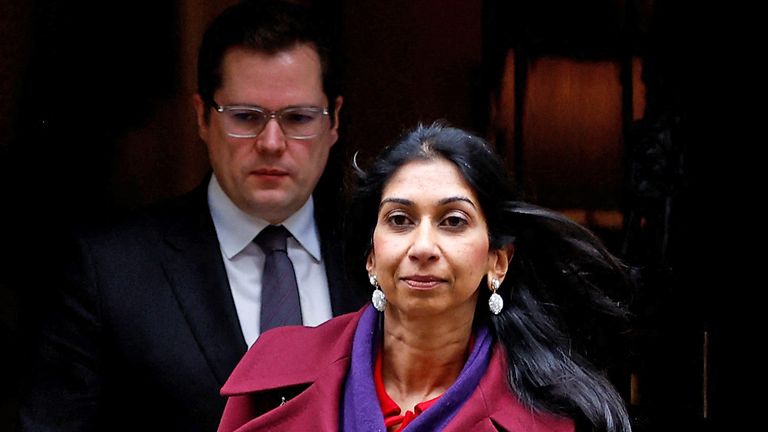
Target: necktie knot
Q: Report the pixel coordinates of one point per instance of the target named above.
(272, 238)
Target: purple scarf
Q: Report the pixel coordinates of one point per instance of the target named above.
(361, 411)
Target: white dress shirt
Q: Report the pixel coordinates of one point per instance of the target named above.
(244, 260)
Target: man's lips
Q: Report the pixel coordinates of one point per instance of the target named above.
(422, 281)
(270, 172)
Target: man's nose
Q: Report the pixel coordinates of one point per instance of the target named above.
(271, 139)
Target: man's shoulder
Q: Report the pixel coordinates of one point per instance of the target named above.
(188, 211)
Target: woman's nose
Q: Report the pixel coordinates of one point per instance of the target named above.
(424, 247)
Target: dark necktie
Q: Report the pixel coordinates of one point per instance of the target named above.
(279, 292)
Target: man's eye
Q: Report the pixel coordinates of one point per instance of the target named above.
(298, 118)
(247, 116)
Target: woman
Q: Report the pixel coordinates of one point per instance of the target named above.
(478, 316)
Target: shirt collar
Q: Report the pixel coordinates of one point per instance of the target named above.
(236, 229)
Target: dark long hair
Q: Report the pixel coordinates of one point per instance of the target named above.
(558, 288)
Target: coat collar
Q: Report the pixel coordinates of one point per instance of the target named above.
(494, 405)
(308, 352)
(276, 395)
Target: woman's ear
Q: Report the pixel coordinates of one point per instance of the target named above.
(370, 263)
(498, 261)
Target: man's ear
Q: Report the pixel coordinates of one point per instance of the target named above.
(202, 121)
(336, 119)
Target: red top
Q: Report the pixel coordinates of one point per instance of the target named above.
(390, 408)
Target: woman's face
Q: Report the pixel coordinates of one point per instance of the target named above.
(430, 245)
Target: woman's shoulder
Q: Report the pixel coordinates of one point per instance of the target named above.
(298, 339)
(292, 355)
(495, 401)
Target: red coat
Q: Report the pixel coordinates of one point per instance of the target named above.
(306, 367)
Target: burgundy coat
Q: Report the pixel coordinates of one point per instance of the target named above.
(292, 379)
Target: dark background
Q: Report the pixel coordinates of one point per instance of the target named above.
(618, 113)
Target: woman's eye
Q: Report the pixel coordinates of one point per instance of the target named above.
(454, 221)
(398, 220)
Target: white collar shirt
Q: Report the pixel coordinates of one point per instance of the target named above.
(244, 260)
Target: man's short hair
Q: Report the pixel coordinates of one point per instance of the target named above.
(268, 26)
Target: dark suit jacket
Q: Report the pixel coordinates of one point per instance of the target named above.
(146, 332)
(312, 387)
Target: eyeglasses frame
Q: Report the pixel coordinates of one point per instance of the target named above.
(270, 115)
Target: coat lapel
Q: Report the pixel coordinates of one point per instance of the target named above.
(193, 264)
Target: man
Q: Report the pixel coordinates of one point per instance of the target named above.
(163, 306)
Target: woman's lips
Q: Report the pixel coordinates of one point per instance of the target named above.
(422, 282)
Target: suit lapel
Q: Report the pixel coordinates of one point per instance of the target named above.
(193, 264)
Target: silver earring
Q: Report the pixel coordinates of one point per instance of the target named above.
(378, 298)
(495, 303)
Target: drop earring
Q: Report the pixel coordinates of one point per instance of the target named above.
(378, 298)
(495, 302)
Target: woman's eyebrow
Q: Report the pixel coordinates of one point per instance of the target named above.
(456, 198)
(402, 201)
(444, 201)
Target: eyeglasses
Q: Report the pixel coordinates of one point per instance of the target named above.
(243, 121)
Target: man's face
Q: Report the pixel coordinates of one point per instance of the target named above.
(269, 176)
